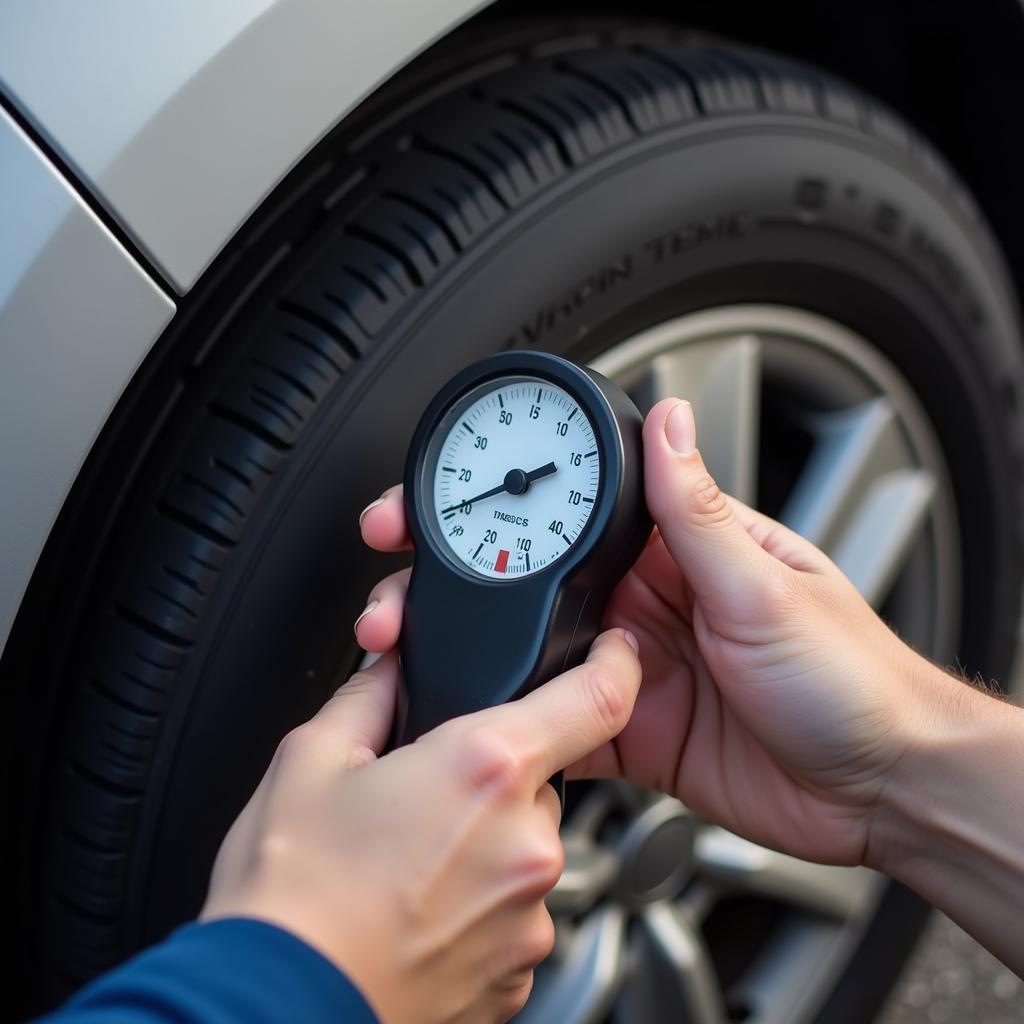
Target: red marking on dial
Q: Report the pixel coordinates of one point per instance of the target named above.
(499, 565)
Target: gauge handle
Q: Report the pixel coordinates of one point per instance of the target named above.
(475, 650)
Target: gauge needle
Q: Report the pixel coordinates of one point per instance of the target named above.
(515, 482)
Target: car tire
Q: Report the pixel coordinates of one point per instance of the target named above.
(561, 191)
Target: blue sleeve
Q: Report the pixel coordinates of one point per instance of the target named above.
(235, 971)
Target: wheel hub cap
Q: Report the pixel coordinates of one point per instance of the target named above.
(657, 854)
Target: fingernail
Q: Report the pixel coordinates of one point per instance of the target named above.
(680, 428)
(366, 611)
(631, 640)
(372, 505)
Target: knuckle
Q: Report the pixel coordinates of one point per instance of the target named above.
(491, 761)
(297, 744)
(707, 501)
(551, 863)
(272, 855)
(607, 699)
(360, 757)
(541, 865)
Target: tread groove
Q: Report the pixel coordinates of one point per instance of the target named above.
(218, 463)
(203, 486)
(367, 282)
(314, 319)
(276, 402)
(139, 681)
(197, 526)
(90, 844)
(182, 578)
(411, 231)
(597, 83)
(454, 207)
(149, 660)
(680, 73)
(164, 596)
(91, 915)
(285, 376)
(310, 347)
(337, 300)
(385, 271)
(590, 114)
(539, 123)
(372, 238)
(141, 622)
(87, 773)
(426, 211)
(459, 160)
(516, 150)
(121, 701)
(495, 159)
(247, 423)
(747, 71)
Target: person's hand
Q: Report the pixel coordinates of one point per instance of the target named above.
(775, 701)
(422, 873)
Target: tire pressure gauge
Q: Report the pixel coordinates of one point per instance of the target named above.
(524, 497)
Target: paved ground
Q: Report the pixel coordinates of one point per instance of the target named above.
(952, 980)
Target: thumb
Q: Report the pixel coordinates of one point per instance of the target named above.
(721, 561)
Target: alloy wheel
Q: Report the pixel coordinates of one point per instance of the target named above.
(661, 916)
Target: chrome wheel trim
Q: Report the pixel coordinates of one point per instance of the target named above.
(874, 492)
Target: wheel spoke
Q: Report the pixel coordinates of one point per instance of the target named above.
(852, 448)
(581, 989)
(739, 865)
(672, 977)
(723, 381)
(588, 872)
(787, 980)
(877, 544)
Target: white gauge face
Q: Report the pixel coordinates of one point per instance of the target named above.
(517, 478)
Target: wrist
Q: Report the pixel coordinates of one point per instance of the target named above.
(956, 743)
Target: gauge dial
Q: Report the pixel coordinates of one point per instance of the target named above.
(517, 476)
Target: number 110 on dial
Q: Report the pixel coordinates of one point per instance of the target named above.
(517, 475)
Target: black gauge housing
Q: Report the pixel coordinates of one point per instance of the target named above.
(469, 642)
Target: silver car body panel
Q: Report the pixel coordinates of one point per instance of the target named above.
(179, 119)
(77, 316)
(182, 117)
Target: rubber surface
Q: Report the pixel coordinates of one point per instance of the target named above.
(556, 192)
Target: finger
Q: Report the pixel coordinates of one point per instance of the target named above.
(356, 721)
(780, 541)
(380, 622)
(719, 558)
(549, 804)
(564, 720)
(382, 522)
